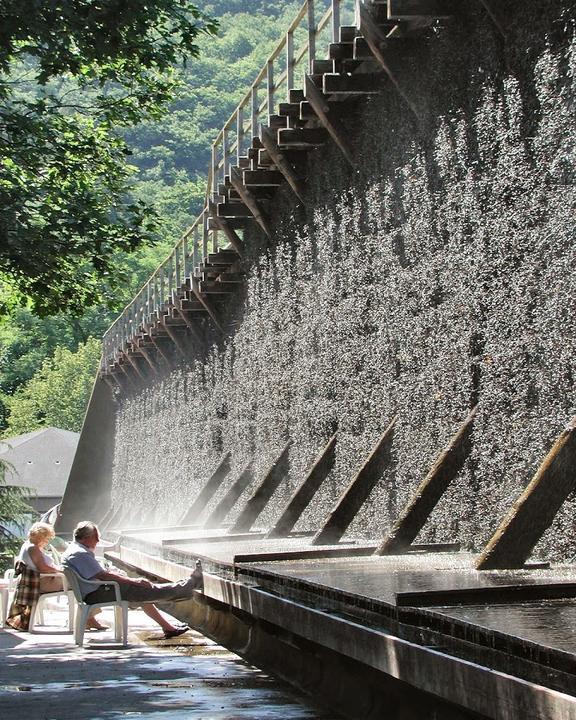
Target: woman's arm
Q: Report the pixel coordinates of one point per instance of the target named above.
(39, 559)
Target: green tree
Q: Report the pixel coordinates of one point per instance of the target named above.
(58, 393)
(13, 512)
(72, 73)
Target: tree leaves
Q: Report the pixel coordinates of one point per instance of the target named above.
(72, 74)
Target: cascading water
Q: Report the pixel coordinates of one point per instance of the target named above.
(446, 279)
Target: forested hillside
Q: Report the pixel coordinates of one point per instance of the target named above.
(171, 158)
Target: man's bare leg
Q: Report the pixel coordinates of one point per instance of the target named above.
(153, 612)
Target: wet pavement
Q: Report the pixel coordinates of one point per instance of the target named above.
(45, 676)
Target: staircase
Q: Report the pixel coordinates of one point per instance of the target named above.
(169, 316)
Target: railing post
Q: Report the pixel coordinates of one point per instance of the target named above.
(149, 302)
(270, 86)
(162, 286)
(289, 63)
(254, 110)
(195, 249)
(225, 155)
(204, 235)
(239, 133)
(311, 34)
(214, 172)
(185, 257)
(335, 21)
(178, 275)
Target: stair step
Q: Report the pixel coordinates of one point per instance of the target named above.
(360, 84)
(339, 51)
(361, 48)
(234, 224)
(289, 109)
(348, 33)
(219, 288)
(223, 255)
(350, 65)
(233, 209)
(277, 121)
(305, 137)
(294, 157)
(263, 177)
(296, 96)
(306, 111)
(319, 67)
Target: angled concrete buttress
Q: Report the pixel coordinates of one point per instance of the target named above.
(306, 491)
(418, 510)
(87, 494)
(212, 484)
(357, 491)
(263, 492)
(535, 509)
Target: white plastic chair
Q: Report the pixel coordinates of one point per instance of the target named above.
(83, 609)
(37, 614)
(6, 586)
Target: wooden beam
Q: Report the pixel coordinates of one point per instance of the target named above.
(226, 504)
(160, 349)
(534, 511)
(131, 380)
(357, 491)
(263, 492)
(417, 511)
(335, 128)
(112, 381)
(206, 304)
(262, 178)
(306, 491)
(378, 45)
(189, 324)
(175, 338)
(223, 225)
(148, 359)
(208, 491)
(359, 84)
(132, 361)
(249, 200)
(269, 141)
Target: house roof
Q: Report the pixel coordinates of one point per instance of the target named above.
(40, 460)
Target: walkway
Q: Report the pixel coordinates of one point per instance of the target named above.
(45, 676)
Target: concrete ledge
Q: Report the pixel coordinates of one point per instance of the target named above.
(477, 688)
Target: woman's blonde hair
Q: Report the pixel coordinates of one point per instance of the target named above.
(40, 531)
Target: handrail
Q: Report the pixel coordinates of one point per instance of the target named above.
(297, 45)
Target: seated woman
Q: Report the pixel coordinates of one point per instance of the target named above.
(37, 573)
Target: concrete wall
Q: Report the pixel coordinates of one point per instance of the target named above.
(438, 271)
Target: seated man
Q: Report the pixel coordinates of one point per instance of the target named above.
(79, 556)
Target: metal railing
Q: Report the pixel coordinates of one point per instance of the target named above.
(317, 21)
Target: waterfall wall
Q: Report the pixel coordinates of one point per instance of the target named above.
(437, 272)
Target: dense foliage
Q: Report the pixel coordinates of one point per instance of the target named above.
(57, 394)
(171, 155)
(13, 512)
(72, 74)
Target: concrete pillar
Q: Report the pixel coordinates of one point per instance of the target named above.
(535, 509)
(304, 494)
(357, 491)
(226, 504)
(263, 492)
(207, 493)
(417, 511)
